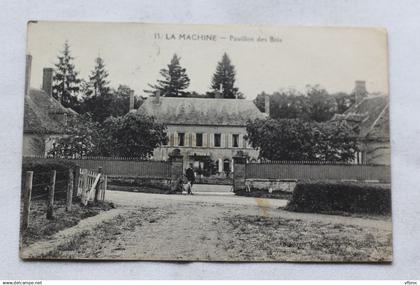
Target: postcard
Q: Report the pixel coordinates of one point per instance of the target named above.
(167, 142)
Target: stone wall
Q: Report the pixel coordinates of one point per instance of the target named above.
(271, 185)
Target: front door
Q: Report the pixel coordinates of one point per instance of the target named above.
(226, 166)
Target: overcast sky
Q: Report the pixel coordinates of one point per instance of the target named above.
(331, 57)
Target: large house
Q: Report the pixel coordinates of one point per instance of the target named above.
(369, 117)
(45, 119)
(207, 132)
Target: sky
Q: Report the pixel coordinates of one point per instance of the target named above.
(266, 58)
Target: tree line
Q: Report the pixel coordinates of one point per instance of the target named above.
(313, 104)
(299, 126)
(104, 126)
(175, 81)
(93, 96)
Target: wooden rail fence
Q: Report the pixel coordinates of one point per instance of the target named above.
(89, 185)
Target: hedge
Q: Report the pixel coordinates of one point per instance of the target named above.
(341, 197)
(42, 172)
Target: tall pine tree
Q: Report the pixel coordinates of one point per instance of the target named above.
(98, 98)
(224, 77)
(66, 84)
(175, 80)
(98, 79)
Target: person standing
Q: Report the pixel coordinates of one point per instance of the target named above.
(190, 177)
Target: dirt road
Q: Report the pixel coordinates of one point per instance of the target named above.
(226, 227)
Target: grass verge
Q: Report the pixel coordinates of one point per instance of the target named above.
(105, 240)
(40, 228)
(279, 239)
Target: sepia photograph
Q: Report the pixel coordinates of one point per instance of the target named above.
(223, 143)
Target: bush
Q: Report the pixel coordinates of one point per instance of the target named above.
(341, 197)
(42, 172)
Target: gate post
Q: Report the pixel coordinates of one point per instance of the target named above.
(176, 160)
(239, 173)
(26, 201)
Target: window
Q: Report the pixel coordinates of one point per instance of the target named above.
(181, 139)
(235, 140)
(217, 139)
(199, 139)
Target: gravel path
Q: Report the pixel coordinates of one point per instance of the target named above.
(232, 203)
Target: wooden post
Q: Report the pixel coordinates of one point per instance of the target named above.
(50, 206)
(76, 180)
(95, 200)
(69, 199)
(27, 199)
(84, 186)
(104, 187)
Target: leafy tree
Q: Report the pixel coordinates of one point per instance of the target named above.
(295, 139)
(175, 80)
(334, 141)
(259, 101)
(290, 104)
(195, 94)
(286, 104)
(66, 84)
(225, 77)
(121, 101)
(344, 101)
(313, 105)
(322, 105)
(134, 135)
(82, 139)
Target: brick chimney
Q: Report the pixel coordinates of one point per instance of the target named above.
(360, 91)
(267, 105)
(131, 100)
(47, 80)
(157, 97)
(28, 73)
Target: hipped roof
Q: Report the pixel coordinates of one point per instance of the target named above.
(201, 111)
